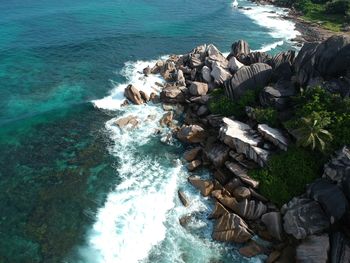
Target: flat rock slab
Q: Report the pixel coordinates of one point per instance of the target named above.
(242, 174)
(275, 136)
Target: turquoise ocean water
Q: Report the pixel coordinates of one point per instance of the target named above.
(73, 187)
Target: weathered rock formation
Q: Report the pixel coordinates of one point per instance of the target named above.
(314, 249)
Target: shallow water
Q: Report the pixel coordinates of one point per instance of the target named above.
(73, 187)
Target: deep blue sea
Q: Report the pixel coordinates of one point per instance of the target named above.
(75, 188)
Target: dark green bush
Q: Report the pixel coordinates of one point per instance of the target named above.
(338, 7)
(267, 116)
(287, 174)
(220, 104)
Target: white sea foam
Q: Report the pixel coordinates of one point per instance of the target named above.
(270, 17)
(132, 71)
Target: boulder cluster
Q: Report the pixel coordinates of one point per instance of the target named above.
(307, 228)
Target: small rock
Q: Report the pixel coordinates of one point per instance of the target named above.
(130, 121)
(191, 134)
(185, 220)
(252, 249)
(166, 119)
(183, 198)
(133, 95)
(146, 71)
(241, 193)
(144, 96)
(194, 165)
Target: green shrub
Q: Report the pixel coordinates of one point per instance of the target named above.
(220, 104)
(266, 115)
(287, 174)
(328, 107)
(338, 7)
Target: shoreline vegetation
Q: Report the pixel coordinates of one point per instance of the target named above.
(316, 20)
(273, 132)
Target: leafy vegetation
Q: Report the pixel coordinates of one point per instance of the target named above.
(287, 174)
(220, 104)
(266, 115)
(330, 13)
(331, 113)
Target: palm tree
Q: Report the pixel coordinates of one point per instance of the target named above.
(311, 132)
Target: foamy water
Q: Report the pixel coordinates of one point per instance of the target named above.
(139, 221)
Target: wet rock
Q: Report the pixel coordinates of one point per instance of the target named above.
(192, 154)
(225, 198)
(204, 186)
(274, 136)
(231, 228)
(198, 88)
(157, 67)
(241, 193)
(241, 173)
(338, 169)
(194, 165)
(185, 220)
(278, 96)
(154, 98)
(252, 249)
(167, 119)
(330, 197)
(303, 217)
(125, 103)
(340, 248)
(243, 139)
(218, 211)
(127, 122)
(183, 198)
(218, 154)
(247, 78)
(206, 74)
(314, 249)
(133, 94)
(191, 134)
(147, 71)
(273, 222)
(144, 96)
(250, 210)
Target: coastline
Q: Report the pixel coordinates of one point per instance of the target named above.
(309, 31)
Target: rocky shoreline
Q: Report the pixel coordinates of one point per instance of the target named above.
(313, 227)
(310, 31)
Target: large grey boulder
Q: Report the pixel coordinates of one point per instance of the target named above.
(314, 249)
(234, 65)
(206, 74)
(277, 96)
(219, 74)
(250, 210)
(273, 223)
(243, 139)
(330, 197)
(340, 248)
(214, 55)
(315, 59)
(231, 228)
(247, 78)
(218, 154)
(198, 88)
(303, 217)
(239, 50)
(275, 136)
(133, 94)
(338, 168)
